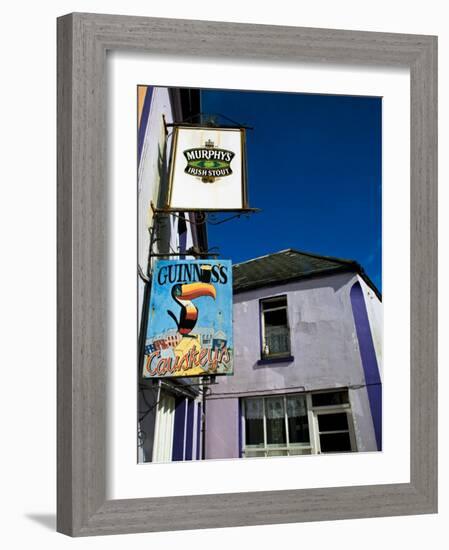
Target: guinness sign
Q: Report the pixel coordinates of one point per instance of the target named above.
(189, 329)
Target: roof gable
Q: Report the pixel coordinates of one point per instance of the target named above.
(290, 265)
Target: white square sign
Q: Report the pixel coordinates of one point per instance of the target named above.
(207, 169)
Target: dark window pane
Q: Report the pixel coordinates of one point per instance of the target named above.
(298, 430)
(298, 424)
(278, 302)
(277, 338)
(254, 431)
(330, 398)
(332, 422)
(275, 413)
(275, 318)
(276, 431)
(335, 443)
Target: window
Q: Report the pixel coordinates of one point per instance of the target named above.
(333, 424)
(330, 398)
(276, 426)
(292, 424)
(275, 330)
(334, 432)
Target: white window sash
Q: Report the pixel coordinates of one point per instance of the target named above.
(314, 432)
(335, 409)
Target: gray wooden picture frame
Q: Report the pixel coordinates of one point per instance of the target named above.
(83, 40)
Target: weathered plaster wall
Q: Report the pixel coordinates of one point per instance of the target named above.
(325, 354)
(222, 428)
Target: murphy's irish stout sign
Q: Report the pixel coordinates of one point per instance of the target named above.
(209, 162)
(189, 319)
(207, 169)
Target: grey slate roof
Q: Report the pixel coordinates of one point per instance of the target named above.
(290, 265)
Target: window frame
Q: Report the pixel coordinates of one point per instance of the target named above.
(316, 410)
(270, 447)
(273, 356)
(314, 445)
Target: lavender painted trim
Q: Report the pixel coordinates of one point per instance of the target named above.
(369, 361)
(240, 429)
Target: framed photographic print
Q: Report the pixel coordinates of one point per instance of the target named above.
(271, 193)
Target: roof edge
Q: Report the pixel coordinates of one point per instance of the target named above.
(310, 254)
(345, 266)
(293, 279)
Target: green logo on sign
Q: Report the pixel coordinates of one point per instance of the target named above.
(208, 162)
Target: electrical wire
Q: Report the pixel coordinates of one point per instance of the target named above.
(142, 274)
(150, 407)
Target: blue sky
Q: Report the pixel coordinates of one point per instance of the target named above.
(314, 170)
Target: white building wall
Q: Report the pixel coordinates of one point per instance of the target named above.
(152, 172)
(375, 316)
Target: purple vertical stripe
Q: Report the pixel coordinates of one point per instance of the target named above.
(144, 121)
(240, 429)
(198, 431)
(189, 429)
(369, 360)
(178, 437)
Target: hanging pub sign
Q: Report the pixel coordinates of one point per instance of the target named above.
(207, 169)
(189, 329)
